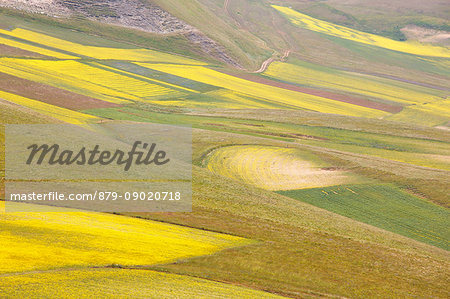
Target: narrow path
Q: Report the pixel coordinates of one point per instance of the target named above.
(267, 63)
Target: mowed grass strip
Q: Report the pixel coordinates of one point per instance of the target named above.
(49, 238)
(277, 95)
(310, 23)
(272, 168)
(97, 52)
(384, 206)
(120, 283)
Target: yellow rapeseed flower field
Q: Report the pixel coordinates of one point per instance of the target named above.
(307, 22)
(278, 96)
(39, 50)
(103, 84)
(349, 82)
(120, 283)
(63, 114)
(97, 52)
(271, 168)
(60, 237)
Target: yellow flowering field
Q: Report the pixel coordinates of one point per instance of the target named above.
(271, 168)
(365, 85)
(120, 283)
(88, 80)
(39, 50)
(310, 23)
(276, 95)
(97, 52)
(60, 237)
(63, 114)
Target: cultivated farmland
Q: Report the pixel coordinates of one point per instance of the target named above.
(326, 175)
(272, 168)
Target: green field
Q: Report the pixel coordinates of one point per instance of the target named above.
(383, 206)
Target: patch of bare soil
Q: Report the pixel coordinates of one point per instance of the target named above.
(426, 35)
(16, 52)
(49, 94)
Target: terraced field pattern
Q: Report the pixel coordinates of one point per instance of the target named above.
(323, 174)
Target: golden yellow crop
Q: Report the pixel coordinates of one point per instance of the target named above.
(271, 168)
(64, 238)
(365, 85)
(278, 96)
(63, 114)
(39, 50)
(416, 48)
(120, 283)
(103, 84)
(97, 52)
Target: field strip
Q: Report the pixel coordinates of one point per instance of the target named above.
(50, 94)
(88, 80)
(355, 100)
(98, 52)
(144, 78)
(63, 114)
(271, 168)
(50, 238)
(34, 49)
(310, 23)
(385, 206)
(275, 94)
(122, 283)
(380, 88)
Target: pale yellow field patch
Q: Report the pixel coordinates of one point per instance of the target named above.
(275, 94)
(427, 114)
(98, 52)
(63, 114)
(347, 82)
(310, 23)
(120, 283)
(60, 237)
(272, 168)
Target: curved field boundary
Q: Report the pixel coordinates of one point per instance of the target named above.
(61, 237)
(310, 23)
(271, 168)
